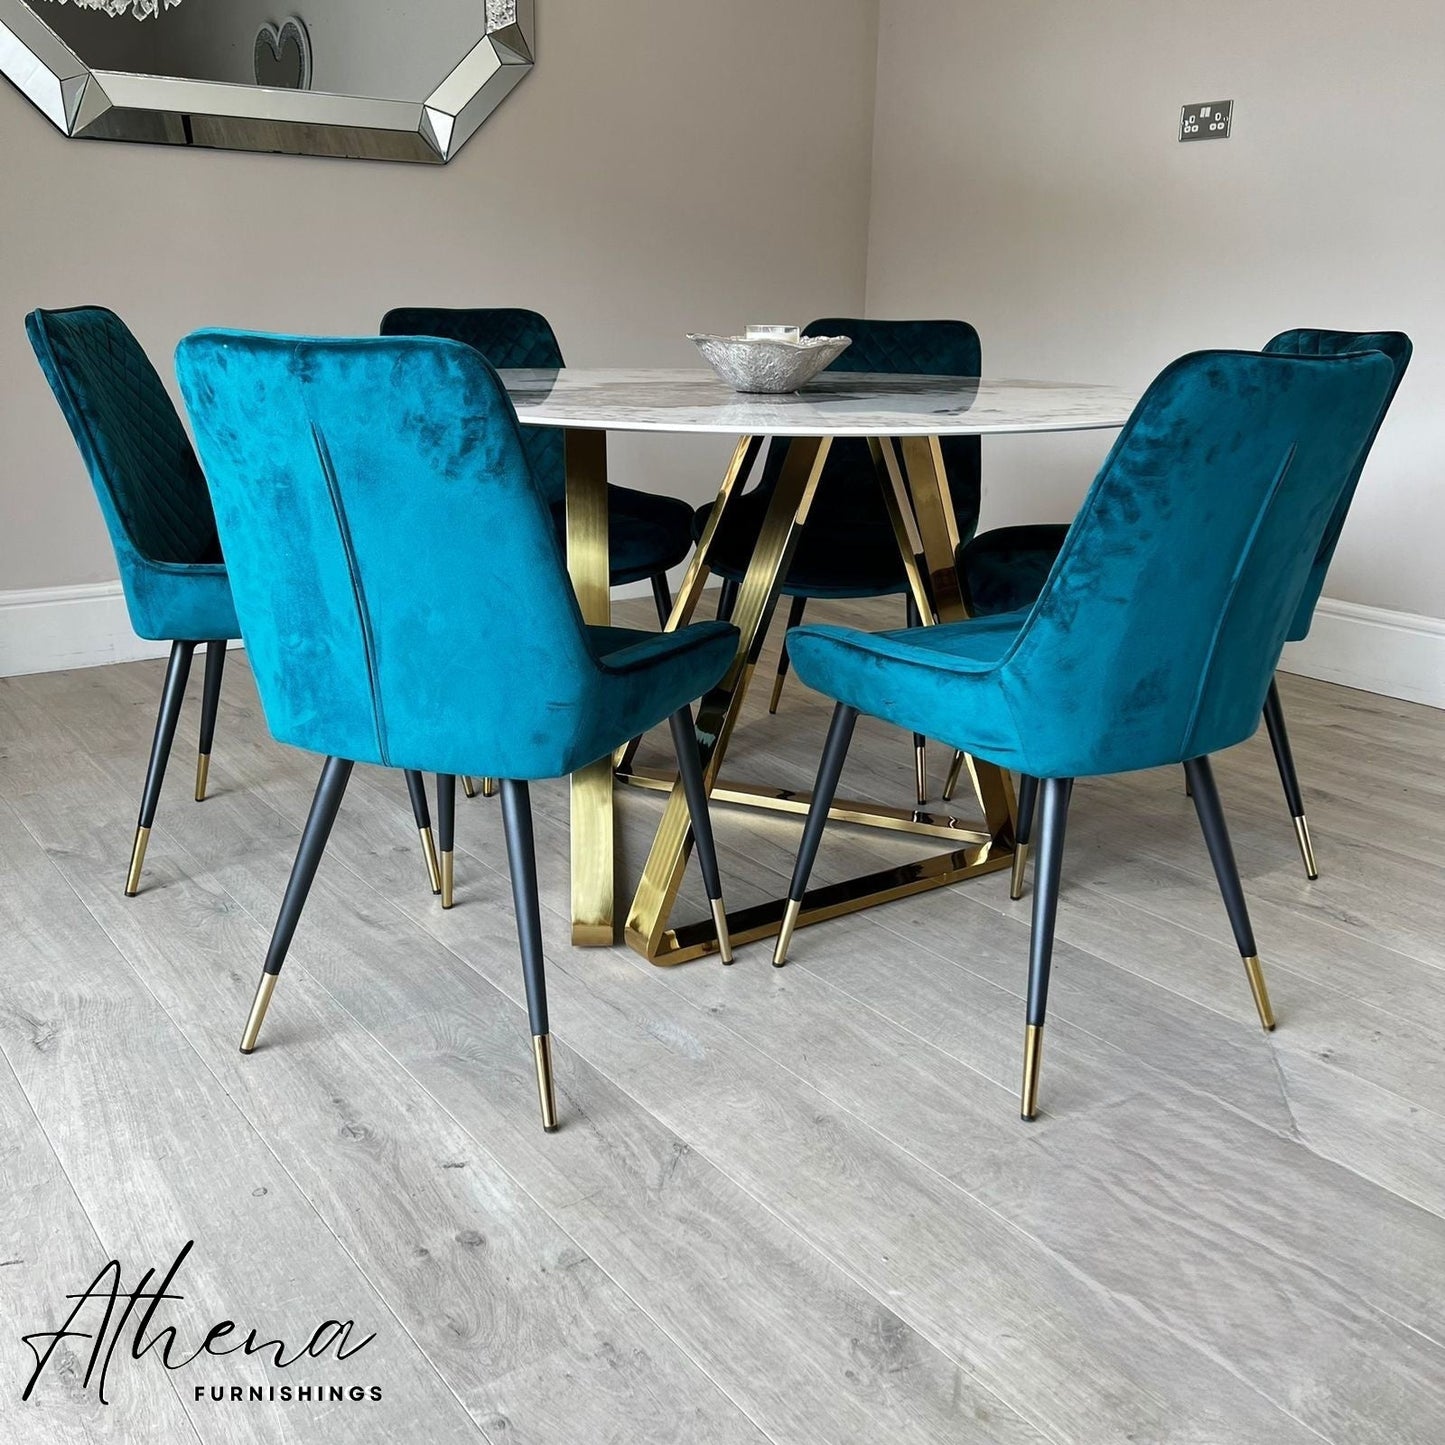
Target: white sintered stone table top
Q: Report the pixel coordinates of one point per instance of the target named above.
(834, 404)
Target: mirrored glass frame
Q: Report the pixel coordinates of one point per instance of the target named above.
(95, 104)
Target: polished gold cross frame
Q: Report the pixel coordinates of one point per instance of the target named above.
(920, 509)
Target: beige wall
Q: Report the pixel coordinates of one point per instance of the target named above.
(667, 167)
(1027, 176)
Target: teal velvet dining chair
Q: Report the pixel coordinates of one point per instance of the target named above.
(846, 549)
(647, 533)
(162, 528)
(351, 479)
(157, 512)
(1004, 569)
(1156, 635)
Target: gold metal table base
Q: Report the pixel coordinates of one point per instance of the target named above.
(783, 800)
(920, 511)
(687, 941)
(977, 853)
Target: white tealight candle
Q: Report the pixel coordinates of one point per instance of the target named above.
(773, 333)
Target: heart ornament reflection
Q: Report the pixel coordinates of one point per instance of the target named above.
(283, 56)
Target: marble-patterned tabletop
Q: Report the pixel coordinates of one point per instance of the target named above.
(834, 404)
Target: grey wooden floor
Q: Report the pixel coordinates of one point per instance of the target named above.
(792, 1206)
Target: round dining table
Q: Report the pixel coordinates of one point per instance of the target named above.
(902, 418)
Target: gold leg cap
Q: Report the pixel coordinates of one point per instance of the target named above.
(429, 852)
(468, 786)
(785, 933)
(203, 771)
(720, 921)
(1306, 848)
(1255, 974)
(920, 772)
(489, 787)
(955, 772)
(546, 1090)
(137, 861)
(1033, 1057)
(259, 1005)
(1020, 870)
(447, 879)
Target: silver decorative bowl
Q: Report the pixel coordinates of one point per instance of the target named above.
(768, 365)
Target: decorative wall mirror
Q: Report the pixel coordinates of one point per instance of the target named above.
(406, 80)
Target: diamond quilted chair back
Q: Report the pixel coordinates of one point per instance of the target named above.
(141, 463)
(897, 348)
(510, 338)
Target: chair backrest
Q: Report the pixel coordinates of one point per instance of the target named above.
(1304, 342)
(508, 337)
(1159, 628)
(352, 480)
(922, 348)
(141, 464)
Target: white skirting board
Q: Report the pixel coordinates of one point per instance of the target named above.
(1398, 654)
(48, 629)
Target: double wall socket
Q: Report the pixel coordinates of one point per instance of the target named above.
(1209, 120)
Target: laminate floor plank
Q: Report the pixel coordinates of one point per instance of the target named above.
(519, 1322)
(711, 1264)
(158, 1155)
(48, 1248)
(859, 1197)
(802, 1198)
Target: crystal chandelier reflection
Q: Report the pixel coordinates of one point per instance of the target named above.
(141, 9)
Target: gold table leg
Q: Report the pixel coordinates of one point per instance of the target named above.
(718, 712)
(684, 604)
(921, 513)
(593, 845)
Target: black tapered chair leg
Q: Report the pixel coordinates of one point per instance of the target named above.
(955, 772)
(469, 786)
(689, 768)
(335, 774)
(210, 704)
(830, 769)
(1048, 870)
(416, 786)
(727, 600)
(446, 830)
(662, 598)
(914, 618)
(795, 617)
(522, 862)
(178, 670)
(1284, 761)
(1221, 854)
(1028, 800)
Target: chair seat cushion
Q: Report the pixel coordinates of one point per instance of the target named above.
(647, 533)
(646, 676)
(1006, 569)
(170, 601)
(845, 551)
(938, 681)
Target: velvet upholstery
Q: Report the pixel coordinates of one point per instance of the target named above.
(847, 547)
(1304, 342)
(648, 534)
(351, 479)
(1004, 569)
(144, 472)
(1156, 635)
